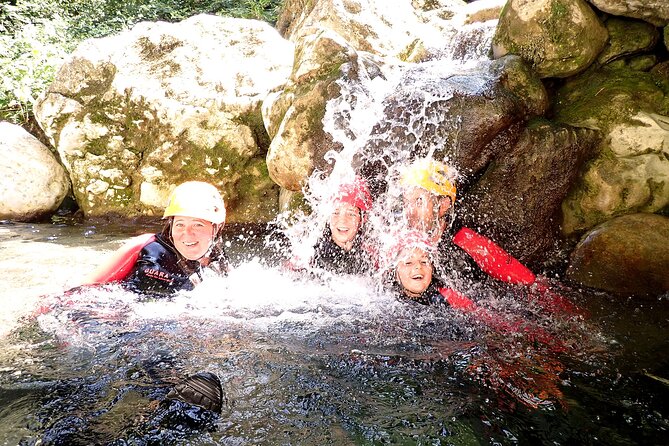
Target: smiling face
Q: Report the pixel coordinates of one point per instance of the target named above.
(192, 236)
(344, 224)
(414, 271)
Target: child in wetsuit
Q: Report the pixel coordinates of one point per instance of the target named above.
(342, 249)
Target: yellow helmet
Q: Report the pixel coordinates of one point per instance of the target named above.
(196, 199)
(431, 175)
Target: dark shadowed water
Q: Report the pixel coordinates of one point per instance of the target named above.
(311, 362)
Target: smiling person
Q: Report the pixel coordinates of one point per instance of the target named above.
(341, 249)
(412, 275)
(429, 193)
(176, 258)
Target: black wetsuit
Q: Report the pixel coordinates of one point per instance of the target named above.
(455, 262)
(333, 258)
(160, 270)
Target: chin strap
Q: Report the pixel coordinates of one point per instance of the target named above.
(492, 259)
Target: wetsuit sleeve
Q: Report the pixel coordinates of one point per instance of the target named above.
(499, 322)
(457, 300)
(492, 259)
(157, 272)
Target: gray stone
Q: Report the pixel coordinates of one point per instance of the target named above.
(32, 181)
(559, 38)
(132, 115)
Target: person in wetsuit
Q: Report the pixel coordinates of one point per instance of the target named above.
(428, 195)
(342, 248)
(175, 259)
(412, 274)
(413, 277)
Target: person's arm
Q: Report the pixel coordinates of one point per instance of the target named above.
(492, 259)
(501, 265)
(120, 263)
(499, 322)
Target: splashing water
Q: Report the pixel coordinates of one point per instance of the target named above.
(320, 359)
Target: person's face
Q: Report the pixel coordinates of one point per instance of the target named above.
(344, 224)
(192, 236)
(424, 209)
(414, 270)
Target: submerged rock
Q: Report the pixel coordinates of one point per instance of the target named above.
(626, 255)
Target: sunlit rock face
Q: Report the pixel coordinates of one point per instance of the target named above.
(559, 38)
(631, 170)
(652, 11)
(375, 26)
(32, 181)
(134, 114)
(294, 115)
(626, 255)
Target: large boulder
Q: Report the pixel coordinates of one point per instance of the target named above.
(625, 255)
(467, 117)
(134, 114)
(294, 115)
(559, 38)
(631, 170)
(517, 200)
(652, 11)
(32, 182)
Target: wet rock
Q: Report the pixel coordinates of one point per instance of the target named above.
(652, 11)
(627, 37)
(517, 200)
(372, 26)
(631, 170)
(626, 255)
(466, 118)
(559, 38)
(133, 114)
(295, 113)
(32, 181)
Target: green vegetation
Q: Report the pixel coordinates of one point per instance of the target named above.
(36, 35)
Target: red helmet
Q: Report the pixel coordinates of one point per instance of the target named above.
(355, 193)
(409, 239)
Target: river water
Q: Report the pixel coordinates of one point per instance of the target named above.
(307, 360)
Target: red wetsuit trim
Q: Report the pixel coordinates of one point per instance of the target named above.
(498, 322)
(119, 265)
(457, 300)
(492, 258)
